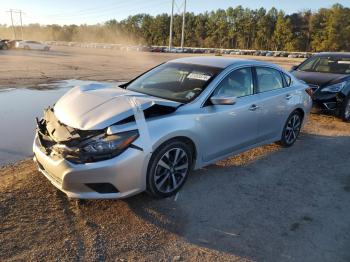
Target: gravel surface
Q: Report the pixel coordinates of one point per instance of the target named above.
(23, 68)
(267, 204)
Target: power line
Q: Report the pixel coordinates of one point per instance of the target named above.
(70, 13)
(102, 9)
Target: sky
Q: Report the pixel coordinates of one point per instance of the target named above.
(98, 11)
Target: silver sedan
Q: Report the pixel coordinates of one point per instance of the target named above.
(148, 134)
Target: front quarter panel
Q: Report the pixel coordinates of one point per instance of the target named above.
(162, 129)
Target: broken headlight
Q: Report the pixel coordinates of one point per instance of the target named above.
(110, 144)
(334, 88)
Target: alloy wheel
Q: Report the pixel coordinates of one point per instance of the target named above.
(171, 170)
(292, 129)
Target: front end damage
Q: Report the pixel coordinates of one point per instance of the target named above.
(108, 162)
(58, 140)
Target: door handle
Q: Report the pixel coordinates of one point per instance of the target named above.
(253, 107)
(288, 96)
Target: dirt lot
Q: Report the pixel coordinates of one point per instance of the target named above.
(267, 204)
(23, 68)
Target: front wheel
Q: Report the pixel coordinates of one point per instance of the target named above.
(168, 169)
(291, 129)
(345, 110)
(26, 47)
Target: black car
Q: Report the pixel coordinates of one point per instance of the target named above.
(12, 43)
(4, 44)
(328, 74)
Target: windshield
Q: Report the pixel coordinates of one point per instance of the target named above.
(175, 81)
(334, 65)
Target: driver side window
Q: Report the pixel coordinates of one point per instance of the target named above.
(237, 83)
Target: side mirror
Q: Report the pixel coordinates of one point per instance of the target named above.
(223, 100)
(294, 67)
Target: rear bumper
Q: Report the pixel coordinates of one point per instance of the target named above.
(126, 173)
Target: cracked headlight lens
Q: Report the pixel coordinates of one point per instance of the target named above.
(111, 143)
(334, 88)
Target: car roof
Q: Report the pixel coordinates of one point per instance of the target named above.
(215, 61)
(334, 54)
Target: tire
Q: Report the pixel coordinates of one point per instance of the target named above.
(26, 47)
(5, 47)
(345, 109)
(168, 168)
(291, 129)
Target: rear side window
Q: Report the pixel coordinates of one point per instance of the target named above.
(268, 79)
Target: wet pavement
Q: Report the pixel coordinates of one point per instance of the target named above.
(18, 109)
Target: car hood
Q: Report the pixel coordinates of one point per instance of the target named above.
(94, 106)
(319, 79)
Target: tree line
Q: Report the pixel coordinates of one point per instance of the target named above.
(327, 29)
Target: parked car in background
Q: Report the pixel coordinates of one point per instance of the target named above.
(4, 44)
(12, 43)
(148, 134)
(32, 45)
(329, 76)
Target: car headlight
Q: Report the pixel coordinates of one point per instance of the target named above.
(334, 88)
(111, 144)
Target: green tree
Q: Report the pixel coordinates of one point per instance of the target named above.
(283, 36)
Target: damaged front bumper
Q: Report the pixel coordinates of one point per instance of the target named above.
(101, 161)
(119, 177)
(59, 151)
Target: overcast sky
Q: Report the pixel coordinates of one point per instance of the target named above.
(97, 11)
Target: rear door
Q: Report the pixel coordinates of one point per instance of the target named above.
(228, 128)
(274, 97)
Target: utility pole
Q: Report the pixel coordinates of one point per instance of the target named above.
(171, 25)
(13, 11)
(20, 15)
(183, 26)
(13, 28)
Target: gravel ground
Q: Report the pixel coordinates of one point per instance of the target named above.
(267, 204)
(30, 68)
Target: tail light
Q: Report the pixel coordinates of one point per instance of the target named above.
(309, 91)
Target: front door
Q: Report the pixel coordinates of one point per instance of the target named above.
(228, 128)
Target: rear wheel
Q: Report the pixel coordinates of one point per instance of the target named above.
(291, 129)
(345, 110)
(168, 168)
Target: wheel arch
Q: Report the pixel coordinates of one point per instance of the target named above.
(301, 111)
(187, 140)
(298, 109)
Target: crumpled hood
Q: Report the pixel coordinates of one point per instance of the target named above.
(94, 106)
